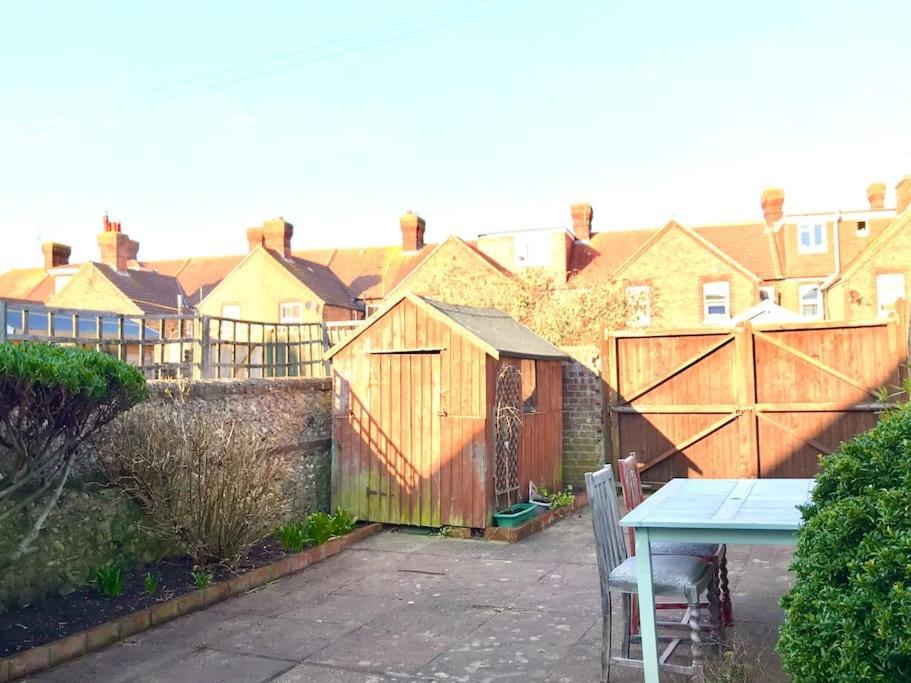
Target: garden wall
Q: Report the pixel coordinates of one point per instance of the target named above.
(94, 523)
(583, 425)
(294, 416)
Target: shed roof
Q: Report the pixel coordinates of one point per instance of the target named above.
(496, 332)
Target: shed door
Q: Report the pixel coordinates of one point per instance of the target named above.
(404, 480)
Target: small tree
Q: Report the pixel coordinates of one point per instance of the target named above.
(52, 398)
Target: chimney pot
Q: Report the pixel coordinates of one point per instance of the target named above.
(582, 221)
(276, 235)
(412, 231)
(115, 247)
(903, 194)
(772, 203)
(876, 195)
(55, 254)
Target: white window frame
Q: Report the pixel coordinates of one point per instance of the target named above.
(769, 291)
(802, 300)
(286, 314)
(720, 293)
(230, 311)
(813, 247)
(885, 305)
(640, 297)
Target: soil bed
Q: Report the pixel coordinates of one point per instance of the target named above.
(42, 621)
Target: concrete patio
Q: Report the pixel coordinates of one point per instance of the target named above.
(400, 606)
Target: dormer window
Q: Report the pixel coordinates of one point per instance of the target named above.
(811, 238)
(533, 249)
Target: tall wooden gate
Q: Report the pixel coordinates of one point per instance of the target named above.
(746, 402)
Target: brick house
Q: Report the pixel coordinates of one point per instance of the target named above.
(846, 263)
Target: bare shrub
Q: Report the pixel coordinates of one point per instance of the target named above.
(208, 482)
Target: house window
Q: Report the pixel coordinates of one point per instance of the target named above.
(230, 311)
(767, 293)
(370, 309)
(811, 238)
(291, 312)
(890, 287)
(639, 301)
(716, 300)
(810, 301)
(862, 229)
(533, 249)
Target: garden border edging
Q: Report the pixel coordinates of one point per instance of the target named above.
(65, 649)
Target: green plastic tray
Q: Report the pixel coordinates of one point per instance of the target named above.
(515, 515)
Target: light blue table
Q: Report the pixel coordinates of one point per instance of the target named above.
(734, 511)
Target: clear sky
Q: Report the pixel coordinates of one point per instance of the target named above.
(190, 121)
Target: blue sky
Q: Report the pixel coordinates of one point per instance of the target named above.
(189, 122)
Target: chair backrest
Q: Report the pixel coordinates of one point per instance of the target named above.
(631, 483)
(602, 498)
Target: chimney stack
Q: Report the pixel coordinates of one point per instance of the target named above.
(903, 194)
(254, 238)
(55, 254)
(772, 203)
(116, 248)
(276, 235)
(412, 231)
(582, 221)
(876, 195)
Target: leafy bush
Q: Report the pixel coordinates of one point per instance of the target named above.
(108, 578)
(343, 522)
(319, 528)
(207, 482)
(293, 536)
(52, 399)
(848, 616)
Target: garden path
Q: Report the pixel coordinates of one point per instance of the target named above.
(399, 606)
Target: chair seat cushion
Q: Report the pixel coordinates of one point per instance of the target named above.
(695, 549)
(671, 574)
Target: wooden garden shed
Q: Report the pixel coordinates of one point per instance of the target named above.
(442, 414)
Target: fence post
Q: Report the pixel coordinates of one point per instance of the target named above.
(324, 329)
(3, 321)
(201, 348)
(610, 398)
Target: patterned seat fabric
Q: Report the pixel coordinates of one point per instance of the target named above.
(694, 549)
(671, 574)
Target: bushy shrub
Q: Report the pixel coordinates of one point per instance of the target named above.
(207, 482)
(52, 398)
(848, 616)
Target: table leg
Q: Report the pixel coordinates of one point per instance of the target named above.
(647, 606)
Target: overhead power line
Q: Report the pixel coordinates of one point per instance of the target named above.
(284, 62)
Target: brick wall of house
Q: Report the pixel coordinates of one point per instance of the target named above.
(675, 269)
(583, 428)
(854, 298)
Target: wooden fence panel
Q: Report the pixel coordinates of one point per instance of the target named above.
(746, 402)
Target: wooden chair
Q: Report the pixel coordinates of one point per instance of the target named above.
(713, 553)
(674, 576)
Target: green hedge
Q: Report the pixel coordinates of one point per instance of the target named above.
(848, 616)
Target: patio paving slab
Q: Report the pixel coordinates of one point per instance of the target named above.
(406, 607)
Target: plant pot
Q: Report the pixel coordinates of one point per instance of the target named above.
(515, 515)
